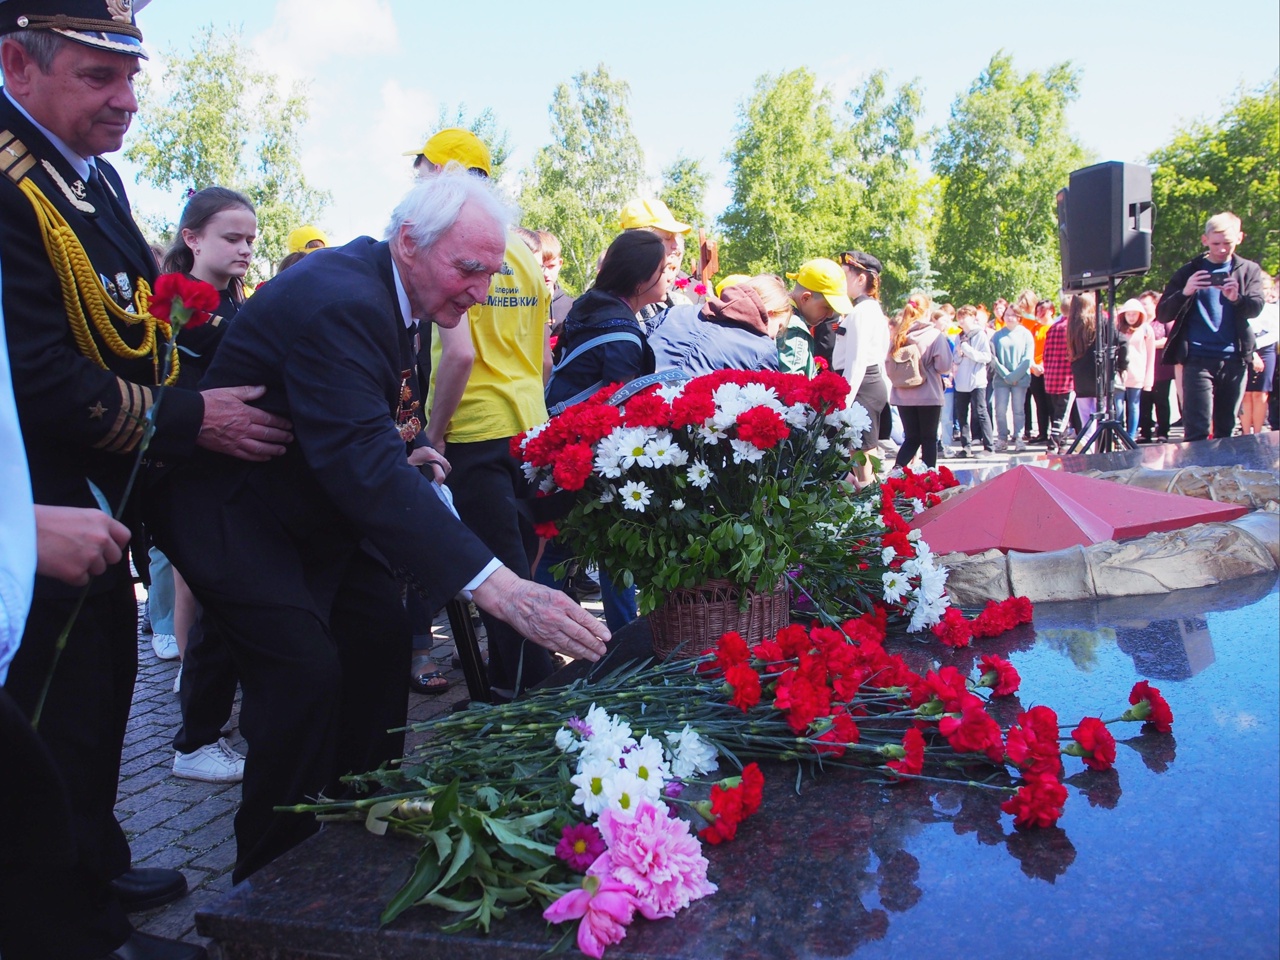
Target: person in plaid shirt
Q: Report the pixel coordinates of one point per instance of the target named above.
(1059, 385)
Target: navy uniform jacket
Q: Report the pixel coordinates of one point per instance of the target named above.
(328, 341)
(80, 422)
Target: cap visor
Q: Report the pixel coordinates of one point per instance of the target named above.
(112, 42)
(840, 303)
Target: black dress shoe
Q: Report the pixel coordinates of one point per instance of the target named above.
(143, 946)
(143, 888)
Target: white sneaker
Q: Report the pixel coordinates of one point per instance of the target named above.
(212, 763)
(165, 646)
(177, 680)
(1001, 446)
(1020, 445)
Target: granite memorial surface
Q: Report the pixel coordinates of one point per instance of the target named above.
(1175, 853)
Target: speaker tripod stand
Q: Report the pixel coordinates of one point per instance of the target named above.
(1103, 432)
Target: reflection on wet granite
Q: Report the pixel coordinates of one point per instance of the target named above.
(1259, 451)
(1176, 853)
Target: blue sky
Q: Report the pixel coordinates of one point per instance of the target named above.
(378, 70)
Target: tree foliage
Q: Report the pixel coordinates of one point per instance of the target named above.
(684, 191)
(1001, 159)
(1232, 164)
(810, 179)
(592, 166)
(213, 121)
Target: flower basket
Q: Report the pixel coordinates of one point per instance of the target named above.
(693, 620)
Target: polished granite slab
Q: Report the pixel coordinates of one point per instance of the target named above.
(1174, 854)
(1259, 451)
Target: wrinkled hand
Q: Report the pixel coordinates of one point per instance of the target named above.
(547, 617)
(76, 543)
(440, 467)
(233, 427)
(1197, 281)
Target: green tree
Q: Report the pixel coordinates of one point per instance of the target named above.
(684, 191)
(593, 165)
(1001, 159)
(791, 196)
(1231, 164)
(893, 218)
(923, 277)
(810, 180)
(213, 121)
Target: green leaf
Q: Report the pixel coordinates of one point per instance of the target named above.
(425, 875)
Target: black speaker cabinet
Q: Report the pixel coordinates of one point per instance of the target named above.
(1105, 216)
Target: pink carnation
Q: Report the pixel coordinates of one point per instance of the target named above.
(605, 907)
(656, 857)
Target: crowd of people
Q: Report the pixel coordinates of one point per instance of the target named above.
(328, 461)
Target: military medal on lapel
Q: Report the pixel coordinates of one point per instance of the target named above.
(407, 422)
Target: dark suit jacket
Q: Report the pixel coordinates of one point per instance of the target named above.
(328, 341)
(1176, 309)
(80, 422)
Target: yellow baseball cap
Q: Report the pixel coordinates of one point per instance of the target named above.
(732, 280)
(458, 145)
(825, 277)
(299, 238)
(651, 213)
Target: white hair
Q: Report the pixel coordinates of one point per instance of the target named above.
(434, 203)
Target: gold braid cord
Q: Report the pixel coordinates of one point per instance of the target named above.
(85, 298)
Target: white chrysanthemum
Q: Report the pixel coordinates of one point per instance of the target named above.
(677, 504)
(623, 790)
(913, 535)
(744, 452)
(917, 506)
(691, 756)
(608, 460)
(799, 415)
(610, 735)
(547, 485)
(821, 445)
(647, 762)
(609, 495)
(591, 779)
(729, 400)
(700, 475)
(530, 471)
(669, 391)
(925, 615)
(887, 554)
(635, 495)
(895, 586)
(710, 433)
(662, 451)
(567, 741)
(631, 446)
(759, 395)
(933, 585)
(533, 431)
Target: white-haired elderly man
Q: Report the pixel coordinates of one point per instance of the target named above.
(296, 560)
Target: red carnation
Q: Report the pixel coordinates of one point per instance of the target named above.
(1097, 747)
(762, 428)
(547, 531)
(646, 410)
(973, 731)
(842, 732)
(1038, 802)
(1032, 743)
(1150, 706)
(953, 629)
(913, 747)
(732, 801)
(1000, 675)
(745, 684)
(731, 649)
(573, 467)
(183, 301)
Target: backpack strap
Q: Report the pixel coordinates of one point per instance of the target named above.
(621, 336)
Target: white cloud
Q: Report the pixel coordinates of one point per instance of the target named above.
(307, 33)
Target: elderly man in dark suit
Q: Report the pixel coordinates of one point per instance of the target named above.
(295, 560)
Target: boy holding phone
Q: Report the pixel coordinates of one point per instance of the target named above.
(1209, 303)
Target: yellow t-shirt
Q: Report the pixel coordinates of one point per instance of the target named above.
(504, 392)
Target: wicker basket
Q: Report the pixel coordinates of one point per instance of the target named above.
(692, 620)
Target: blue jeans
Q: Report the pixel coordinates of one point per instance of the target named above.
(1004, 393)
(160, 596)
(1132, 404)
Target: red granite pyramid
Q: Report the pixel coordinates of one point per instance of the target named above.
(1035, 510)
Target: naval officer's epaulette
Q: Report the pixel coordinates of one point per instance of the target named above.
(15, 159)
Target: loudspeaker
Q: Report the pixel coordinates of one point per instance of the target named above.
(1105, 216)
